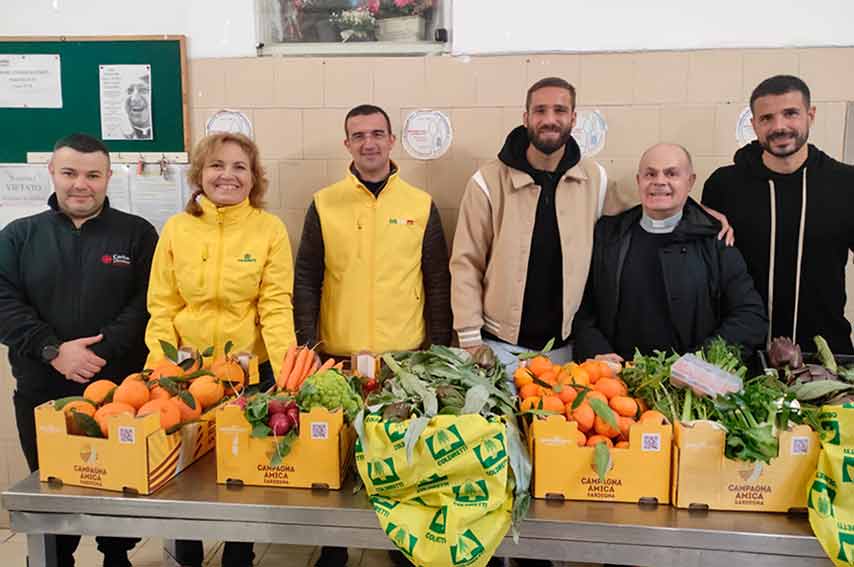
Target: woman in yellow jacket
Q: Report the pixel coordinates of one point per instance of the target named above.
(223, 272)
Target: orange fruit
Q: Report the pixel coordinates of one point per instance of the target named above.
(77, 406)
(133, 392)
(522, 376)
(532, 402)
(611, 387)
(625, 424)
(602, 427)
(624, 405)
(595, 395)
(592, 370)
(529, 390)
(229, 372)
(653, 416)
(108, 410)
(578, 374)
(98, 390)
(553, 403)
(170, 415)
(580, 438)
(622, 445)
(165, 368)
(158, 393)
(567, 394)
(539, 365)
(594, 440)
(549, 377)
(583, 415)
(187, 413)
(208, 390)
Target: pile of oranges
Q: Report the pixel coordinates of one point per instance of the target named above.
(552, 388)
(177, 393)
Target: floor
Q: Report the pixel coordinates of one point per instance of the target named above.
(149, 553)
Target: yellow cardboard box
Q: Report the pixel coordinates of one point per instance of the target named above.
(318, 457)
(562, 469)
(138, 455)
(704, 477)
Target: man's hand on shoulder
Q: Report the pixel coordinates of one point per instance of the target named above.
(76, 362)
(727, 231)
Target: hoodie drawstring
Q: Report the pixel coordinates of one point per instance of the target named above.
(772, 257)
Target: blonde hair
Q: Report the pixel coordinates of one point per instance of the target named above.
(203, 151)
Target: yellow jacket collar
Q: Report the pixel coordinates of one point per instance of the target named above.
(392, 178)
(227, 215)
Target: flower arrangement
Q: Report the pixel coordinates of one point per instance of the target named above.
(355, 25)
(394, 8)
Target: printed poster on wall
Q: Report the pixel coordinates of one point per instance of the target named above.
(126, 102)
(30, 81)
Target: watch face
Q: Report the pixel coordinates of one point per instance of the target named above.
(50, 352)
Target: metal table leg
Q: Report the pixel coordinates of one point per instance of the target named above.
(41, 550)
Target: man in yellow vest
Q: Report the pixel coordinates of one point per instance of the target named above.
(372, 268)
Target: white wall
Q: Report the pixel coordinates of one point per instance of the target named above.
(487, 26)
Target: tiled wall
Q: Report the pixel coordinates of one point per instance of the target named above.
(297, 106)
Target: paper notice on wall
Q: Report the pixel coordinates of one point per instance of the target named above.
(118, 191)
(25, 185)
(126, 102)
(30, 81)
(155, 196)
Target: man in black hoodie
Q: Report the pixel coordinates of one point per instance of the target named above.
(73, 283)
(792, 207)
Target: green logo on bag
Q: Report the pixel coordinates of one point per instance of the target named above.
(467, 549)
(396, 431)
(821, 498)
(401, 537)
(846, 539)
(446, 445)
(382, 473)
(432, 482)
(383, 506)
(492, 454)
(830, 429)
(471, 493)
(437, 524)
(847, 468)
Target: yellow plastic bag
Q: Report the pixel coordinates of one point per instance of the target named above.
(450, 504)
(831, 491)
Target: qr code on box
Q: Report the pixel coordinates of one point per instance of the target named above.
(651, 442)
(127, 435)
(800, 445)
(320, 431)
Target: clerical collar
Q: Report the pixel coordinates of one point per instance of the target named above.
(663, 226)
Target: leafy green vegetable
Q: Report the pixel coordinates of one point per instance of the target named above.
(602, 459)
(825, 355)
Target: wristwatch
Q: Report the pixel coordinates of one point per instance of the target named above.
(49, 352)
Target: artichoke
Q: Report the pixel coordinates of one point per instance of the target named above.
(783, 353)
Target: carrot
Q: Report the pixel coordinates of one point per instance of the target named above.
(339, 366)
(302, 360)
(312, 368)
(287, 366)
(326, 365)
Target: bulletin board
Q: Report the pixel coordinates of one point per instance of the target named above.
(37, 129)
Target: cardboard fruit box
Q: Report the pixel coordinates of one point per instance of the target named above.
(318, 458)
(137, 457)
(704, 478)
(563, 470)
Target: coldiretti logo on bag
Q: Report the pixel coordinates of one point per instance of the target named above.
(436, 531)
(432, 482)
(382, 474)
(821, 497)
(471, 493)
(492, 454)
(831, 428)
(401, 537)
(846, 546)
(446, 445)
(467, 549)
(848, 467)
(383, 506)
(396, 431)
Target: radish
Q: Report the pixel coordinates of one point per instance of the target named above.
(280, 424)
(275, 406)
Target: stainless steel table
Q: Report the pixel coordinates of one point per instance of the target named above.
(193, 506)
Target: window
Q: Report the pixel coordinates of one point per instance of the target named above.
(352, 26)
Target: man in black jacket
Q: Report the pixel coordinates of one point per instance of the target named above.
(73, 284)
(659, 277)
(792, 207)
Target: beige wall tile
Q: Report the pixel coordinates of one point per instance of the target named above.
(623, 171)
(323, 133)
(704, 167)
(399, 82)
(478, 132)
(759, 64)
(631, 130)
(660, 78)
(414, 172)
(501, 81)
(299, 180)
(567, 67)
(715, 76)
(829, 73)
(348, 81)
(278, 133)
(450, 82)
(248, 82)
(294, 219)
(828, 131)
(449, 224)
(447, 179)
(336, 170)
(511, 117)
(691, 126)
(207, 83)
(726, 118)
(606, 79)
(274, 190)
(298, 82)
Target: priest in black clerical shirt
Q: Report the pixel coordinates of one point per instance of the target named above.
(660, 279)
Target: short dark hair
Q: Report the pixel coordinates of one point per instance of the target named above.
(550, 82)
(780, 85)
(366, 110)
(83, 143)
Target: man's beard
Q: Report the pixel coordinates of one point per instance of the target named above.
(549, 147)
(800, 140)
